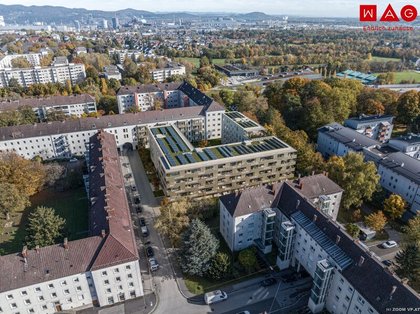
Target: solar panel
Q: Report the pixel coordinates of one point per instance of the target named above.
(171, 160)
(239, 150)
(221, 151)
(182, 159)
(202, 156)
(210, 154)
(190, 158)
(165, 164)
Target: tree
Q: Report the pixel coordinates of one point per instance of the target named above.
(108, 104)
(359, 179)
(376, 221)
(248, 259)
(56, 115)
(53, 172)
(21, 62)
(27, 175)
(356, 215)
(11, 199)
(173, 220)
(408, 261)
(104, 86)
(412, 231)
(353, 230)
(44, 227)
(199, 246)
(130, 67)
(219, 267)
(27, 115)
(394, 206)
(204, 62)
(408, 107)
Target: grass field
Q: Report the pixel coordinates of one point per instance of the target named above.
(72, 205)
(196, 61)
(382, 59)
(405, 76)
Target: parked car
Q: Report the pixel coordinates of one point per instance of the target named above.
(154, 265)
(128, 176)
(387, 262)
(139, 209)
(73, 160)
(144, 231)
(137, 200)
(215, 296)
(133, 188)
(268, 282)
(142, 222)
(149, 252)
(244, 312)
(389, 244)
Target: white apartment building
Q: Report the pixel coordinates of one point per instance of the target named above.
(159, 75)
(238, 128)
(408, 144)
(335, 139)
(122, 54)
(169, 95)
(377, 127)
(346, 277)
(33, 58)
(112, 72)
(87, 272)
(74, 105)
(68, 138)
(72, 72)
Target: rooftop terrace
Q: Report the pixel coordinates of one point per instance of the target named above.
(178, 152)
(242, 120)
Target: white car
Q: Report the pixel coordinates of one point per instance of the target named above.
(215, 296)
(389, 244)
(154, 265)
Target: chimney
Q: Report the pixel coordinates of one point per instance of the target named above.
(66, 244)
(301, 185)
(25, 251)
(394, 288)
(337, 239)
(314, 218)
(361, 261)
(313, 172)
(103, 233)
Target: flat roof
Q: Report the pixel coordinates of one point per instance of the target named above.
(177, 151)
(242, 120)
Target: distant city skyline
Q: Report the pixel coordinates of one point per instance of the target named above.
(310, 8)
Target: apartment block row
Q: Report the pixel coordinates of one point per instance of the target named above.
(69, 138)
(396, 161)
(87, 272)
(74, 105)
(159, 75)
(158, 96)
(33, 58)
(346, 277)
(188, 171)
(59, 72)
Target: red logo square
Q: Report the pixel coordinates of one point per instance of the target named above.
(367, 13)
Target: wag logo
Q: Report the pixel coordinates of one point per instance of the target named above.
(369, 13)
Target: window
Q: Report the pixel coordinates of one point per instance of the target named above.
(108, 290)
(31, 311)
(104, 273)
(118, 279)
(51, 286)
(360, 300)
(24, 292)
(63, 283)
(41, 298)
(132, 294)
(110, 300)
(106, 282)
(27, 302)
(121, 297)
(77, 279)
(128, 267)
(13, 305)
(81, 297)
(53, 295)
(129, 276)
(66, 291)
(9, 297)
(69, 300)
(79, 288)
(38, 289)
(131, 284)
(44, 307)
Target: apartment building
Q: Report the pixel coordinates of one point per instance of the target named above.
(58, 73)
(112, 72)
(238, 128)
(377, 127)
(122, 54)
(408, 144)
(346, 277)
(33, 58)
(159, 75)
(68, 138)
(335, 139)
(168, 95)
(87, 272)
(186, 171)
(74, 105)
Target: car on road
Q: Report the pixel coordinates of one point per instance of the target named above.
(142, 222)
(128, 176)
(387, 262)
(73, 160)
(154, 265)
(215, 296)
(389, 244)
(144, 231)
(268, 282)
(149, 252)
(133, 188)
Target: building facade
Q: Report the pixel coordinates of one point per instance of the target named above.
(377, 127)
(74, 105)
(346, 277)
(86, 272)
(408, 144)
(159, 75)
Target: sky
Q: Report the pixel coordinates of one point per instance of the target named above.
(325, 8)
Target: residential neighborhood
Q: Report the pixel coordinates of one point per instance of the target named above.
(209, 157)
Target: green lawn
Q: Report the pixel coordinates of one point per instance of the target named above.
(196, 61)
(383, 59)
(405, 76)
(72, 205)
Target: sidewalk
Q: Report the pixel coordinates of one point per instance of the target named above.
(142, 305)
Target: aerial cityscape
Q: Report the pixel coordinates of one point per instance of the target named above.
(236, 157)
